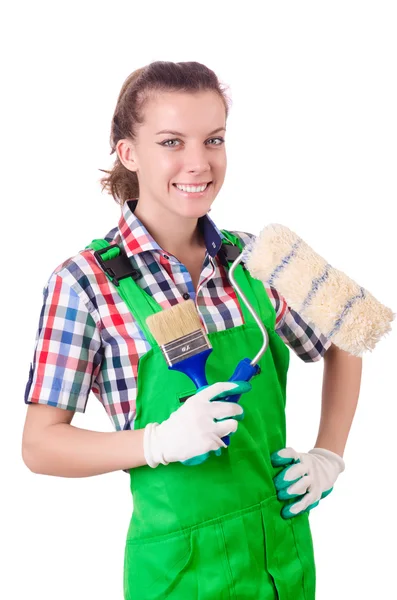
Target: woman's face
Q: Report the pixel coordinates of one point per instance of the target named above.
(194, 154)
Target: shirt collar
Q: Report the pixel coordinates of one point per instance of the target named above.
(136, 238)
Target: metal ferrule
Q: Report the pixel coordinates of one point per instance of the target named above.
(185, 346)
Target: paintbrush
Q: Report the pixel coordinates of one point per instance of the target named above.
(186, 347)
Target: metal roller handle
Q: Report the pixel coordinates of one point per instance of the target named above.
(248, 305)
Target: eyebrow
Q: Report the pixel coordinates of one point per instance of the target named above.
(182, 135)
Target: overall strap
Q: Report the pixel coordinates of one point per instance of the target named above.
(119, 270)
(253, 289)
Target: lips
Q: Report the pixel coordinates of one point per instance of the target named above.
(193, 184)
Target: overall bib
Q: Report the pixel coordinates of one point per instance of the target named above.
(213, 531)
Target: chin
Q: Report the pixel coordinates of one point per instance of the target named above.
(194, 207)
(196, 212)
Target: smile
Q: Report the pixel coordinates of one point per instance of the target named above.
(192, 188)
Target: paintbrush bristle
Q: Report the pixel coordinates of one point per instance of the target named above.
(175, 322)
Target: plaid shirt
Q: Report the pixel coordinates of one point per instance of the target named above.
(88, 340)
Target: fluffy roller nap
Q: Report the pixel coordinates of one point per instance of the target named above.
(344, 311)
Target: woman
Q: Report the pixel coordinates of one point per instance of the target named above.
(226, 528)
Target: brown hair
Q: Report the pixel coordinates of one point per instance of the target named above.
(159, 76)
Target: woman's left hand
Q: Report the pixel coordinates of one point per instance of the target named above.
(308, 476)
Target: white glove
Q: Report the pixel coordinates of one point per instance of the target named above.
(311, 475)
(191, 430)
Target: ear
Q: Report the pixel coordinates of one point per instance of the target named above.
(127, 155)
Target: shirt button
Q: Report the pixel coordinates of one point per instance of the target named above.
(186, 296)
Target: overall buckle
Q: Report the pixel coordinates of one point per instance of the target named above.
(117, 267)
(229, 253)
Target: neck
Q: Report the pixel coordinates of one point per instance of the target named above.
(174, 234)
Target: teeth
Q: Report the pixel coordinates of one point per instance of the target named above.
(191, 188)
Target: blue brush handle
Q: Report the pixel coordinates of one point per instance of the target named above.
(194, 367)
(243, 372)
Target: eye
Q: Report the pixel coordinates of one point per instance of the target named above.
(166, 143)
(221, 140)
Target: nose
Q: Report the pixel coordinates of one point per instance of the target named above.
(196, 158)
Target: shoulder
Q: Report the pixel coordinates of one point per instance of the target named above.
(304, 338)
(81, 275)
(83, 256)
(243, 236)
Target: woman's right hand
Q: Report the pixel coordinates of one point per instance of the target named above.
(197, 427)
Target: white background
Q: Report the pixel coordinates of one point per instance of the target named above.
(311, 144)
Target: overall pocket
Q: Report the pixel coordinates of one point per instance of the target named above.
(158, 568)
(289, 553)
(305, 550)
(181, 397)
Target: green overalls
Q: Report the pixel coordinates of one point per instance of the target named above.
(213, 531)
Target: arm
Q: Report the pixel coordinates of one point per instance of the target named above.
(52, 446)
(341, 387)
(324, 463)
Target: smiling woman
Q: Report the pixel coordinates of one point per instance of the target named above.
(214, 529)
(175, 180)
